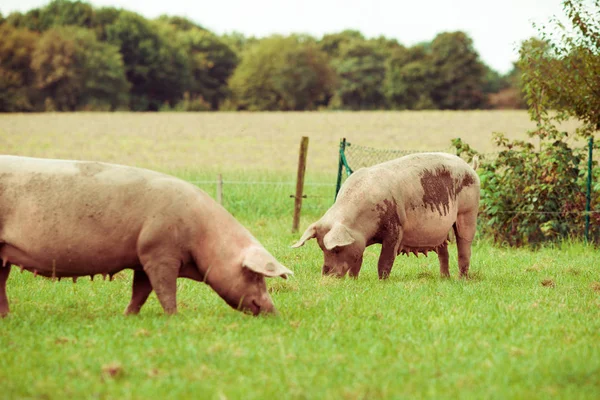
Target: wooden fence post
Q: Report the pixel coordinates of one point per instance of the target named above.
(220, 189)
(300, 183)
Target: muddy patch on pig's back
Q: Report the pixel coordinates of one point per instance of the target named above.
(440, 188)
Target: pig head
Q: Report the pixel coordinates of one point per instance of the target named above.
(408, 205)
(62, 218)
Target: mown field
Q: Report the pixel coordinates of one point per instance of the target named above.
(526, 325)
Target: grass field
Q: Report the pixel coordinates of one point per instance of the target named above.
(525, 326)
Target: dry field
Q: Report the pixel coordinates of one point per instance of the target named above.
(221, 142)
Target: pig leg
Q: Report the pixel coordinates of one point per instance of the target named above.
(4, 271)
(442, 252)
(465, 227)
(389, 250)
(163, 273)
(464, 256)
(141, 290)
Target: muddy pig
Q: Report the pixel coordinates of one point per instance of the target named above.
(408, 205)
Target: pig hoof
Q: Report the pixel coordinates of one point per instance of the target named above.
(132, 311)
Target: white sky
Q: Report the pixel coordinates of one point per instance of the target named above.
(496, 27)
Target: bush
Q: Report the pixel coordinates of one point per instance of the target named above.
(530, 196)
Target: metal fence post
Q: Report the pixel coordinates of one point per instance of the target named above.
(588, 197)
(340, 167)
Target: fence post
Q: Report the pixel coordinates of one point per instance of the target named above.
(340, 167)
(588, 196)
(300, 183)
(220, 189)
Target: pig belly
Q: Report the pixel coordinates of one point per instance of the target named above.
(427, 229)
(65, 253)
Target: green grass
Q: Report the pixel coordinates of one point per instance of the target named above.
(526, 325)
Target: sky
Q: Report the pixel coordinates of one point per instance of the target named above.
(496, 27)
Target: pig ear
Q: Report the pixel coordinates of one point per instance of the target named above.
(261, 262)
(309, 233)
(338, 236)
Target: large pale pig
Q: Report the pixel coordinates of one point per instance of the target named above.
(62, 218)
(409, 205)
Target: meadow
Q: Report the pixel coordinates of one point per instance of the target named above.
(525, 325)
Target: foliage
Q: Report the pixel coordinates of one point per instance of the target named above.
(75, 71)
(180, 23)
(65, 13)
(16, 75)
(360, 67)
(562, 70)
(30, 20)
(156, 65)
(172, 55)
(409, 79)
(534, 195)
(530, 196)
(282, 73)
(103, 17)
(212, 64)
(458, 74)
(188, 103)
(55, 13)
(505, 93)
(238, 42)
(331, 43)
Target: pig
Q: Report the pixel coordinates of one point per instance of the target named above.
(67, 218)
(408, 205)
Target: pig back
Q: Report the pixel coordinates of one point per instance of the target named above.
(74, 213)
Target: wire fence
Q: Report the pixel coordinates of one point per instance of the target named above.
(291, 183)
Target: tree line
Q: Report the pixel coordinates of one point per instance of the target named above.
(69, 55)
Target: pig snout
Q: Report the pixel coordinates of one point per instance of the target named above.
(336, 272)
(260, 305)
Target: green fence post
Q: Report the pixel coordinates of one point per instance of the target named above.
(588, 197)
(340, 167)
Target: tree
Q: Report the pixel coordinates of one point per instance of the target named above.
(30, 20)
(331, 43)
(360, 67)
(508, 94)
(212, 62)
(55, 13)
(66, 12)
(155, 62)
(180, 23)
(238, 42)
(562, 70)
(532, 194)
(282, 73)
(408, 79)
(459, 74)
(74, 71)
(103, 17)
(16, 77)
